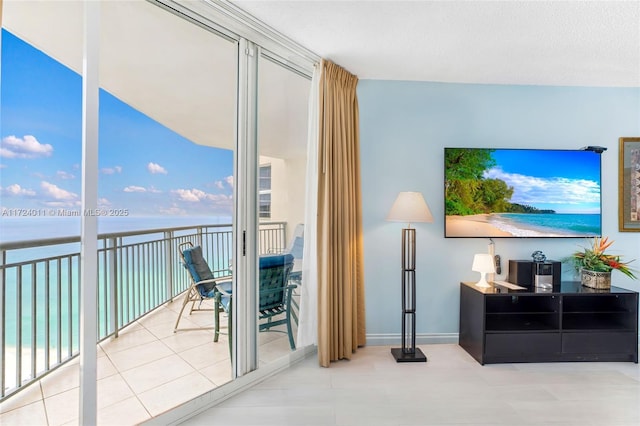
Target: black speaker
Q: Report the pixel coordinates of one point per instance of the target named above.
(520, 272)
(524, 272)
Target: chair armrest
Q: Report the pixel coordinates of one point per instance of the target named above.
(219, 284)
(211, 280)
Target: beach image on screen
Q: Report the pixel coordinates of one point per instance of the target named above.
(522, 193)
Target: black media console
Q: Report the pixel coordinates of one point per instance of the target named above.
(568, 323)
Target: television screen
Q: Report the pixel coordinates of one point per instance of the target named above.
(516, 193)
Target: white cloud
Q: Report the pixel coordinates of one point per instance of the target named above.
(556, 190)
(64, 175)
(155, 168)
(133, 188)
(56, 193)
(17, 190)
(193, 195)
(103, 202)
(27, 147)
(220, 184)
(111, 170)
(196, 196)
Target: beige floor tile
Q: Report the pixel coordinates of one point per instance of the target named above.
(27, 396)
(127, 339)
(105, 367)
(157, 400)
(63, 407)
(184, 340)
(139, 355)
(31, 414)
(112, 390)
(219, 373)
(156, 373)
(127, 412)
(205, 355)
(63, 379)
(275, 348)
(158, 317)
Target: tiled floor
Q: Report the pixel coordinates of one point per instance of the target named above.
(450, 389)
(147, 370)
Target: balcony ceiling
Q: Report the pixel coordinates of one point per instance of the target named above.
(572, 43)
(177, 73)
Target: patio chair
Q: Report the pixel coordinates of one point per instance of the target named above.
(295, 247)
(204, 286)
(276, 293)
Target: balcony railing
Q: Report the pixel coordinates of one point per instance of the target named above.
(137, 273)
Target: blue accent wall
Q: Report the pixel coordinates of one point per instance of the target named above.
(404, 128)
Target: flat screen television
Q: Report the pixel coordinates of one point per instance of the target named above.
(520, 193)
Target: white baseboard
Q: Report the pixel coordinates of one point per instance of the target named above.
(216, 396)
(421, 339)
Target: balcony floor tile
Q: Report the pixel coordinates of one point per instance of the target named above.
(145, 371)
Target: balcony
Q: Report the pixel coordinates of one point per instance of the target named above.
(144, 368)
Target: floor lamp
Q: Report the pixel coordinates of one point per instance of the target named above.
(409, 207)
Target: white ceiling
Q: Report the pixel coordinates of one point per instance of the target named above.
(154, 60)
(574, 43)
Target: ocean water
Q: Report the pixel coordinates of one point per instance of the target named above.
(547, 225)
(30, 228)
(35, 228)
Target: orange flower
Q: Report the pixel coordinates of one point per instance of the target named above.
(595, 259)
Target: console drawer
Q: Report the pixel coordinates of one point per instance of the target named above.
(521, 344)
(599, 343)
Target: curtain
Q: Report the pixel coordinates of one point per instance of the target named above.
(308, 316)
(341, 311)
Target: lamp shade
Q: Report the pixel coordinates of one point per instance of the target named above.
(410, 207)
(483, 263)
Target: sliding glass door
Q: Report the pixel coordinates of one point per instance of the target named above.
(283, 94)
(167, 151)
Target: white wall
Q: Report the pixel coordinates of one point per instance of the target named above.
(404, 129)
(287, 190)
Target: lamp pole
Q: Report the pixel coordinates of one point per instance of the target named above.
(409, 207)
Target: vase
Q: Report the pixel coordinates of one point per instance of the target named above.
(593, 279)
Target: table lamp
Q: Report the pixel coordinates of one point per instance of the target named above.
(484, 264)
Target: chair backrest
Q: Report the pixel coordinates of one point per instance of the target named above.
(296, 244)
(274, 277)
(198, 268)
(195, 264)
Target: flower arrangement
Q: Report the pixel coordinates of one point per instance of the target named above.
(595, 259)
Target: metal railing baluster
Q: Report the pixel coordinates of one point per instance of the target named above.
(18, 354)
(34, 320)
(3, 321)
(47, 314)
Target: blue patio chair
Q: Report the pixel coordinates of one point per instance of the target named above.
(204, 286)
(276, 293)
(295, 247)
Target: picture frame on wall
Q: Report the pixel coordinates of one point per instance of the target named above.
(629, 185)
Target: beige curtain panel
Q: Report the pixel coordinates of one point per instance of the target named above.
(341, 310)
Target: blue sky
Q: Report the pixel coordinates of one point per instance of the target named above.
(144, 167)
(565, 181)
